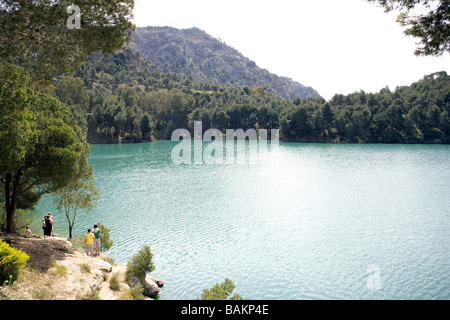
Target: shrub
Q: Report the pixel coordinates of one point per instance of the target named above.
(42, 294)
(136, 292)
(12, 261)
(114, 282)
(106, 243)
(78, 243)
(85, 267)
(140, 264)
(92, 295)
(108, 259)
(59, 269)
(220, 291)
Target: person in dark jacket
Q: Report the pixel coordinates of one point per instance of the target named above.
(47, 226)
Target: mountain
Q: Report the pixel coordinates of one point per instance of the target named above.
(193, 52)
(124, 98)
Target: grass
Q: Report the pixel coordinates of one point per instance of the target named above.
(42, 294)
(114, 282)
(134, 293)
(60, 270)
(30, 285)
(92, 295)
(85, 267)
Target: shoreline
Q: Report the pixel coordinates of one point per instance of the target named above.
(56, 270)
(299, 141)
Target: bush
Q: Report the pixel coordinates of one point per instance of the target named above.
(60, 270)
(106, 243)
(92, 295)
(12, 261)
(21, 218)
(220, 291)
(140, 264)
(136, 292)
(114, 282)
(85, 267)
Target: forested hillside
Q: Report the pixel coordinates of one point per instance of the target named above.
(124, 98)
(194, 52)
(419, 113)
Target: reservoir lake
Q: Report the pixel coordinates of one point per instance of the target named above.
(307, 221)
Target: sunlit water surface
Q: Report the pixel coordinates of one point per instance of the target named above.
(308, 221)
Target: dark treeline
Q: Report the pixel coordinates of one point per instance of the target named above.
(124, 98)
(419, 113)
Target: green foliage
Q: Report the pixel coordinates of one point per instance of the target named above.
(35, 33)
(220, 291)
(127, 89)
(140, 264)
(21, 218)
(431, 28)
(60, 269)
(85, 267)
(92, 295)
(12, 261)
(73, 92)
(42, 145)
(106, 242)
(137, 292)
(412, 114)
(78, 242)
(136, 132)
(147, 127)
(114, 282)
(79, 194)
(42, 294)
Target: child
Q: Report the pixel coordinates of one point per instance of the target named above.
(28, 233)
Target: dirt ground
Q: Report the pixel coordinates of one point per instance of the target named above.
(57, 271)
(41, 251)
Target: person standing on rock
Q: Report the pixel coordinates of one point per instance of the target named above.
(52, 220)
(89, 243)
(47, 226)
(98, 235)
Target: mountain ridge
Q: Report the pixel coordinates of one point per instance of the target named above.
(194, 52)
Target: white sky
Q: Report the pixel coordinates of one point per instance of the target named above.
(333, 46)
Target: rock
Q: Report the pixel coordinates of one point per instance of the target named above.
(158, 282)
(69, 274)
(102, 265)
(96, 280)
(151, 289)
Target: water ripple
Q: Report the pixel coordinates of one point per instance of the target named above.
(307, 223)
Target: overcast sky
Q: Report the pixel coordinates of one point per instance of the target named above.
(333, 46)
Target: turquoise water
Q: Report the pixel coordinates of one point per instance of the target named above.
(308, 221)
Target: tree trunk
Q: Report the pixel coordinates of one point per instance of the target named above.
(10, 203)
(10, 213)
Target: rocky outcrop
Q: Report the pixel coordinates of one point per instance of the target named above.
(60, 272)
(152, 286)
